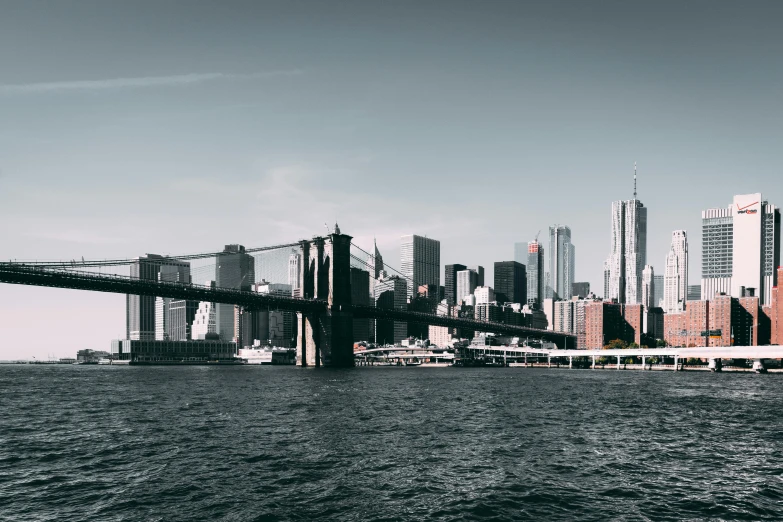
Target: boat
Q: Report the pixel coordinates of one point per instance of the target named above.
(412, 363)
(104, 360)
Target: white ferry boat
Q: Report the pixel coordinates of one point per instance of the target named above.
(256, 355)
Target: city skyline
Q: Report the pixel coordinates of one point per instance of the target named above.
(450, 102)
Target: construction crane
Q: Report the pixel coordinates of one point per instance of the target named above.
(327, 228)
(538, 234)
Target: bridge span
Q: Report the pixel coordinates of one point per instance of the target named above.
(324, 311)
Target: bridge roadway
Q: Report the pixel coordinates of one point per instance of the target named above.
(23, 274)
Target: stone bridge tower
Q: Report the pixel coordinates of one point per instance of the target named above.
(326, 338)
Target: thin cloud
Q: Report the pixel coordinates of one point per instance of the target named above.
(139, 82)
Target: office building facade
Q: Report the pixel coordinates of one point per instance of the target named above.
(648, 287)
(390, 293)
(658, 291)
(535, 275)
(629, 251)
(420, 261)
(580, 289)
(510, 282)
(450, 276)
(484, 295)
(741, 248)
(467, 281)
(295, 273)
(520, 252)
(146, 316)
(235, 269)
(562, 258)
(675, 277)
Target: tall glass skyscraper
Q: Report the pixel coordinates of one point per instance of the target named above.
(562, 258)
(535, 274)
(520, 253)
(420, 261)
(629, 250)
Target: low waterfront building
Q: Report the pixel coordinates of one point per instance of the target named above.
(173, 352)
(91, 356)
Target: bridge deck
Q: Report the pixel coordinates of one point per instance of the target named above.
(18, 273)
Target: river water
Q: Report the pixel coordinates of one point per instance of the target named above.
(285, 443)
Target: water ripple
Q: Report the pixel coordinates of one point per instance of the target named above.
(277, 443)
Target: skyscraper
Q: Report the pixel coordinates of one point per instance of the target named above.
(451, 283)
(420, 261)
(510, 282)
(561, 261)
(535, 274)
(375, 267)
(520, 253)
(467, 281)
(204, 320)
(235, 269)
(741, 248)
(390, 293)
(629, 249)
(675, 277)
(607, 276)
(658, 291)
(177, 272)
(141, 320)
(479, 274)
(648, 287)
(294, 273)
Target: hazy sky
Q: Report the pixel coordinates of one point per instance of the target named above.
(175, 127)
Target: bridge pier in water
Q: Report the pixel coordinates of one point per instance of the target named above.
(326, 338)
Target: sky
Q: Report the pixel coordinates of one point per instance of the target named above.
(179, 127)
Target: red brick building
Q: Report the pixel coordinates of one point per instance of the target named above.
(687, 328)
(752, 326)
(722, 309)
(605, 322)
(634, 321)
(776, 312)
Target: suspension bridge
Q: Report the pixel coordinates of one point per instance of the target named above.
(323, 304)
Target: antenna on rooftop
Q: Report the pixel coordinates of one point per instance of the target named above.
(634, 180)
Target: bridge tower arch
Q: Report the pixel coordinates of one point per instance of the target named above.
(326, 338)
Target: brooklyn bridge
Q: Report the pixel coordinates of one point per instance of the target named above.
(324, 311)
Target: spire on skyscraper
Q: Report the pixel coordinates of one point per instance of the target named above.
(634, 180)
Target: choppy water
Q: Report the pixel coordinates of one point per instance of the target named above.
(266, 443)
